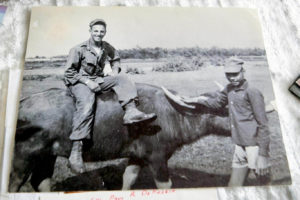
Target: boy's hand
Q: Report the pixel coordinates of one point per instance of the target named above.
(262, 166)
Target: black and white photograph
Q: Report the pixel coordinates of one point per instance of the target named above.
(117, 98)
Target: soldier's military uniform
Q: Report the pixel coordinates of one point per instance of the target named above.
(85, 63)
(84, 66)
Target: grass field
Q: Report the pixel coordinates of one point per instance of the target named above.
(206, 162)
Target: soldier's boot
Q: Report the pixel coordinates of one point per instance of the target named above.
(133, 115)
(75, 159)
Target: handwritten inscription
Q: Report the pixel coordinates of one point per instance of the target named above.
(156, 192)
(134, 194)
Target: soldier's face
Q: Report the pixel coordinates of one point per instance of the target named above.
(98, 32)
(235, 78)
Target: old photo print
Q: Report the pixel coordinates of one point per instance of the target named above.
(141, 98)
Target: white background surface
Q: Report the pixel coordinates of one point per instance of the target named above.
(280, 25)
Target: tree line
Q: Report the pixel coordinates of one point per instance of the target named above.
(156, 53)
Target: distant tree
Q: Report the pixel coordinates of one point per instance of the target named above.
(156, 53)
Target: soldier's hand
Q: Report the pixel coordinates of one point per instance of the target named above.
(95, 87)
(263, 167)
(112, 73)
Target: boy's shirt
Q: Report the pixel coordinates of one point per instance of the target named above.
(248, 120)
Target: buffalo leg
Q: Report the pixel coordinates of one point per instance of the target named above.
(161, 175)
(17, 181)
(20, 174)
(163, 185)
(41, 174)
(130, 175)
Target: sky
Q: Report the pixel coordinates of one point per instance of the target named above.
(55, 30)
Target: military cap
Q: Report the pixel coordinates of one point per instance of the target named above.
(97, 21)
(233, 65)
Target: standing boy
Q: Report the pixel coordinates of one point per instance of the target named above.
(249, 128)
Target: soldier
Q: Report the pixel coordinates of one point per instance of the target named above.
(84, 77)
(249, 128)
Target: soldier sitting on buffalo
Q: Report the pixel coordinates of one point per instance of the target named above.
(249, 128)
(84, 77)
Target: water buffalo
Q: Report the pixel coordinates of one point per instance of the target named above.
(44, 124)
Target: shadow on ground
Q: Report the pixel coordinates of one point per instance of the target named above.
(110, 178)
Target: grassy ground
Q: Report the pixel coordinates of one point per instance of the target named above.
(206, 162)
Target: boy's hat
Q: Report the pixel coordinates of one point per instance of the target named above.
(97, 21)
(233, 65)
